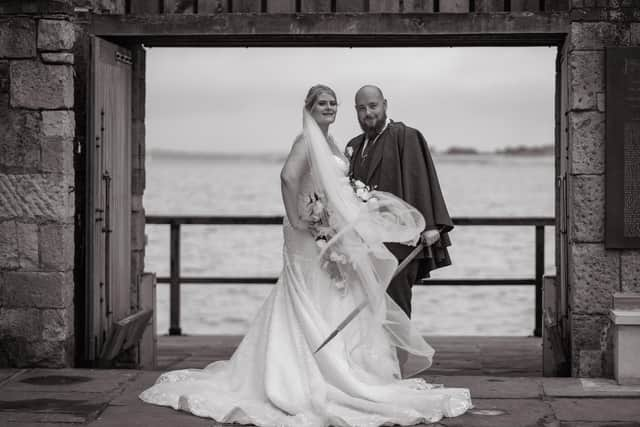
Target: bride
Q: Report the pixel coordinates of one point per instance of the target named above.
(333, 260)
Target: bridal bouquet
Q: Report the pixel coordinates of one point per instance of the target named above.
(323, 229)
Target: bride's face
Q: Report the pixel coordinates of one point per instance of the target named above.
(324, 109)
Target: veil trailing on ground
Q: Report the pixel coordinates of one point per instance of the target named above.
(355, 252)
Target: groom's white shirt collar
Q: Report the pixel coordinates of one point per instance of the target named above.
(366, 138)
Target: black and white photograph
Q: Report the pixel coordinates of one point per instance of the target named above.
(320, 213)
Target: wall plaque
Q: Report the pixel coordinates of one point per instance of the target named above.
(622, 174)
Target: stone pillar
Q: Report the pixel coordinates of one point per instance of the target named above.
(595, 273)
(37, 199)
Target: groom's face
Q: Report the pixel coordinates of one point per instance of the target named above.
(372, 110)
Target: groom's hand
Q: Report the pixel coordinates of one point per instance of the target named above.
(429, 237)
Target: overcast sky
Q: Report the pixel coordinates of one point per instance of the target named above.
(250, 99)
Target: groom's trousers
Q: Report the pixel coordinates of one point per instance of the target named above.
(400, 287)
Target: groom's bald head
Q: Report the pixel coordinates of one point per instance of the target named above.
(369, 91)
(371, 108)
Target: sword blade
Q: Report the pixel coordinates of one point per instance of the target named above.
(364, 303)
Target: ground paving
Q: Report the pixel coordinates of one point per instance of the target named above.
(108, 398)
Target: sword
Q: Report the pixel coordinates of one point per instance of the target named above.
(364, 303)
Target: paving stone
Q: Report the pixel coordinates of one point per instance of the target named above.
(587, 387)
(484, 387)
(76, 380)
(587, 145)
(593, 277)
(43, 406)
(35, 85)
(588, 409)
(512, 412)
(630, 266)
(55, 35)
(586, 78)
(587, 218)
(17, 37)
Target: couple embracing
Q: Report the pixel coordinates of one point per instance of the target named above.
(350, 218)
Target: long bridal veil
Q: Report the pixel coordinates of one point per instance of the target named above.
(364, 264)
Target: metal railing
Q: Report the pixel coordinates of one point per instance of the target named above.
(175, 279)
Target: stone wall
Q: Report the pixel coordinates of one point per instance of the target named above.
(595, 273)
(37, 198)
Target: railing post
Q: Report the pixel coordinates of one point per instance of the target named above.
(174, 297)
(539, 273)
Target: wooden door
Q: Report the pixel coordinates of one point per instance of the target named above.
(107, 297)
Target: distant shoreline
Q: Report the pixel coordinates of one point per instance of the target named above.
(540, 151)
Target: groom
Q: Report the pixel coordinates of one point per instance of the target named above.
(392, 157)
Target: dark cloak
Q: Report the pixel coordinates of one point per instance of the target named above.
(400, 163)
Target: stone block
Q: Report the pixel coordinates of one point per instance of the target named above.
(587, 215)
(138, 181)
(20, 323)
(45, 354)
(20, 144)
(55, 35)
(37, 196)
(634, 31)
(58, 123)
(590, 363)
(587, 142)
(630, 270)
(591, 336)
(9, 259)
(593, 277)
(57, 324)
(57, 58)
(586, 78)
(17, 38)
(56, 246)
(137, 230)
(36, 85)
(36, 289)
(136, 203)
(27, 246)
(600, 102)
(595, 35)
(57, 155)
(4, 84)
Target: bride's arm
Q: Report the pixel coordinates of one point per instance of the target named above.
(290, 177)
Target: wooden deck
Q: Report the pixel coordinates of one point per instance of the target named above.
(489, 356)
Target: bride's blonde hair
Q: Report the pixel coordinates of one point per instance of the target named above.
(315, 92)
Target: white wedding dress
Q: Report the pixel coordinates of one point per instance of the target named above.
(275, 379)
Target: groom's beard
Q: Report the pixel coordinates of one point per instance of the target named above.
(372, 130)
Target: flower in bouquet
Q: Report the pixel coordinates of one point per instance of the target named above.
(363, 191)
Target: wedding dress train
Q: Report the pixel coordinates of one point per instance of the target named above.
(275, 379)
